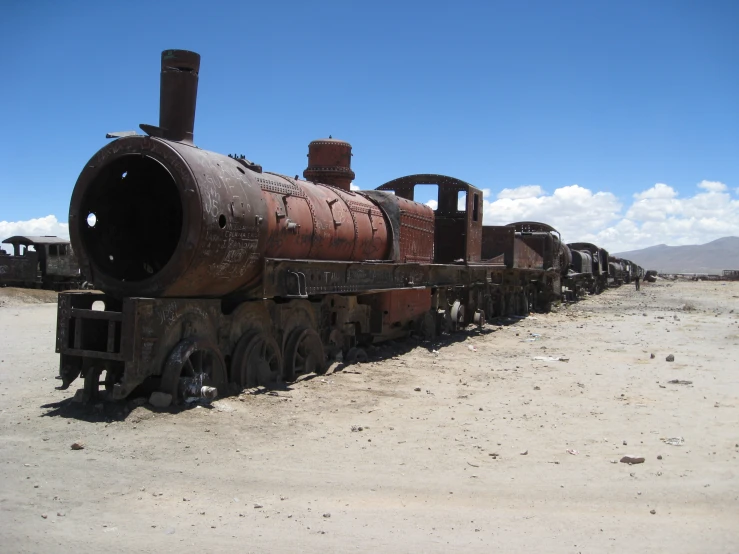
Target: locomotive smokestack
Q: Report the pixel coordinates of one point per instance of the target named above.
(329, 162)
(178, 93)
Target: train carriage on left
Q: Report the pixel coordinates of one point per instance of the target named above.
(40, 262)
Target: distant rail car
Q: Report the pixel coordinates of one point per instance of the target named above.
(46, 262)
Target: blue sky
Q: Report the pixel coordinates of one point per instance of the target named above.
(611, 97)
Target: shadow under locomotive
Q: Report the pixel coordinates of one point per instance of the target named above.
(101, 408)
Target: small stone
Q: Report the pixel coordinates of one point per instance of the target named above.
(659, 457)
(670, 358)
(632, 460)
(44, 516)
(651, 355)
(524, 453)
(326, 515)
(624, 443)
(257, 506)
(78, 445)
(537, 388)
(417, 389)
(652, 512)
(160, 399)
(60, 514)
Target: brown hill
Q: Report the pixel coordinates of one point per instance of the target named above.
(712, 257)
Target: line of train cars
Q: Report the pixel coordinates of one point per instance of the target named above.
(215, 275)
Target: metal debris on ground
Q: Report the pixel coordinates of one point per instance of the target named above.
(632, 460)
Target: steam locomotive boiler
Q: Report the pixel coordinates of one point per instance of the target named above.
(217, 275)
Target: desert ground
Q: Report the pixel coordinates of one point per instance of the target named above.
(508, 439)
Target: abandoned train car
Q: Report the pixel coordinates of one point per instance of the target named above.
(39, 262)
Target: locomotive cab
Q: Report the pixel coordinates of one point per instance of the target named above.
(457, 217)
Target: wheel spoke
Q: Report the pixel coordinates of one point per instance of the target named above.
(188, 364)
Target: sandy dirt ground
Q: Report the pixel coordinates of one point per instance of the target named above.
(470, 444)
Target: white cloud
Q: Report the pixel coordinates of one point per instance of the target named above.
(657, 215)
(572, 210)
(352, 186)
(526, 191)
(712, 186)
(48, 225)
(433, 204)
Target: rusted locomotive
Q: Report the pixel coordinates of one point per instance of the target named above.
(217, 275)
(589, 268)
(40, 262)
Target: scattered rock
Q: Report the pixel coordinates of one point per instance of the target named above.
(659, 457)
(257, 506)
(44, 516)
(679, 382)
(60, 514)
(537, 388)
(670, 358)
(524, 453)
(624, 443)
(160, 399)
(652, 512)
(632, 460)
(651, 356)
(327, 515)
(674, 441)
(417, 389)
(78, 445)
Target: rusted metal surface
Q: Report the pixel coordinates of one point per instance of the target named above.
(329, 162)
(393, 312)
(497, 242)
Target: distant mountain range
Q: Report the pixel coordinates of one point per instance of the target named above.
(712, 257)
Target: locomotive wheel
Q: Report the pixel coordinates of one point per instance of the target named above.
(479, 319)
(303, 354)
(525, 307)
(457, 316)
(257, 361)
(356, 356)
(192, 364)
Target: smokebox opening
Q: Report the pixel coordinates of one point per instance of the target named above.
(131, 218)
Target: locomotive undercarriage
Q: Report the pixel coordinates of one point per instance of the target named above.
(201, 347)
